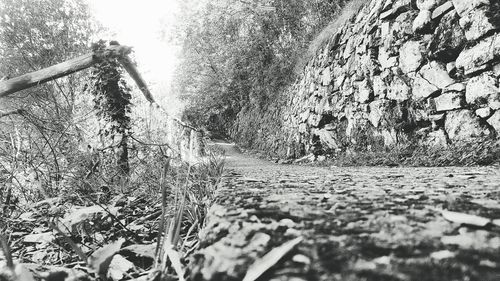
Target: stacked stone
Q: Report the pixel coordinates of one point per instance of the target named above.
(433, 64)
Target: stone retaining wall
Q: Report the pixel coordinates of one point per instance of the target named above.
(423, 71)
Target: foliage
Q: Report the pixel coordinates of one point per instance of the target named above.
(37, 146)
(111, 95)
(112, 102)
(242, 53)
(125, 228)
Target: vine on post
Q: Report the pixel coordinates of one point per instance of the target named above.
(112, 100)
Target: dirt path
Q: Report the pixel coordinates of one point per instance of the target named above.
(366, 223)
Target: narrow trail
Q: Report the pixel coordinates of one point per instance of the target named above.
(359, 223)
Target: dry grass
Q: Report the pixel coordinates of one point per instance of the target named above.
(338, 22)
(484, 152)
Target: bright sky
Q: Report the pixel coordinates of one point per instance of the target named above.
(137, 23)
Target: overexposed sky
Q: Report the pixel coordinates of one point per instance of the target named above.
(139, 23)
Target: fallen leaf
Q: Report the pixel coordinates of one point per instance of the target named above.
(99, 261)
(268, 260)
(462, 218)
(45, 237)
(147, 250)
(28, 216)
(118, 267)
(79, 215)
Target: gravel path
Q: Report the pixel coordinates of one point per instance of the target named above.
(363, 223)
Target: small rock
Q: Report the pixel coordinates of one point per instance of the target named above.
(441, 255)
(301, 259)
(451, 68)
(436, 117)
(287, 222)
(484, 112)
(292, 232)
(384, 260)
(457, 87)
(488, 263)
(464, 125)
(321, 158)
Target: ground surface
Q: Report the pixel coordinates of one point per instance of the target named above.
(356, 223)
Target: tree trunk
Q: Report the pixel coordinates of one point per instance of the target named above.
(122, 157)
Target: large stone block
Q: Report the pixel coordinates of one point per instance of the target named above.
(386, 60)
(410, 56)
(398, 89)
(448, 39)
(463, 7)
(449, 101)
(482, 88)
(464, 125)
(480, 55)
(436, 74)
(476, 23)
(421, 88)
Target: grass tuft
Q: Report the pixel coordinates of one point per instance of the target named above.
(467, 153)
